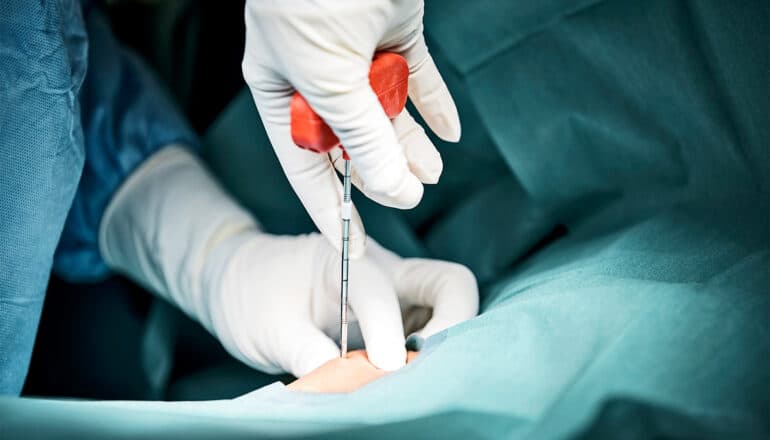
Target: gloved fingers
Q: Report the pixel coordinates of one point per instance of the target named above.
(355, 179)
(429, 93)
(355, 115)
(449, 288)
(422, 156)
(386, 260)
(311, 175)
(303, 348)
(375, 304)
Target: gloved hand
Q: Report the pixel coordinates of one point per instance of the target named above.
(273, 301)
(323, 50)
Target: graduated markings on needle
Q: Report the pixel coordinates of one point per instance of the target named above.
(346, 209)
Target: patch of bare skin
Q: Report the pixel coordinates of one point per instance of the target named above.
(342, 375)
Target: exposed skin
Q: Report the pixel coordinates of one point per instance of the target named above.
(342, 375)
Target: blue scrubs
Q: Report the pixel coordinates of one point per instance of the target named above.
(79, 114)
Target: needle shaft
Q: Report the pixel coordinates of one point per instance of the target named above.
(346, 209)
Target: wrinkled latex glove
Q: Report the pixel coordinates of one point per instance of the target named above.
(323, 50)
(273, 301)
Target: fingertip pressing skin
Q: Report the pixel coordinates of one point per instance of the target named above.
(388, 360)
(379, 316)
(342, 375)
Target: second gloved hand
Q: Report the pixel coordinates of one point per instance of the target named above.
(273, 301)
(278, 297)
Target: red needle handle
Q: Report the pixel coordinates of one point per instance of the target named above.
(388, 76)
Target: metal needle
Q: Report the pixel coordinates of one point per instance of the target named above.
(346, 209)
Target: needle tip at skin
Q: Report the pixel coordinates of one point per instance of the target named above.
(342, 375)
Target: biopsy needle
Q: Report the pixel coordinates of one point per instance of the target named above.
(347, 206)
(388, 76)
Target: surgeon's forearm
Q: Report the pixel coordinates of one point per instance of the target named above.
(162, 224)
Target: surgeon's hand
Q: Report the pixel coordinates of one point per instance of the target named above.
(277, 298)
(273, 301)
(323, 50)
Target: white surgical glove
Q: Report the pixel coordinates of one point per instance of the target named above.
(323, 50)
(273, 301)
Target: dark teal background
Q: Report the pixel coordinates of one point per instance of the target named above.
(612, 194)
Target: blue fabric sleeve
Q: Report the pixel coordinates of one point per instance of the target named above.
(126, 117)
(43, 49)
